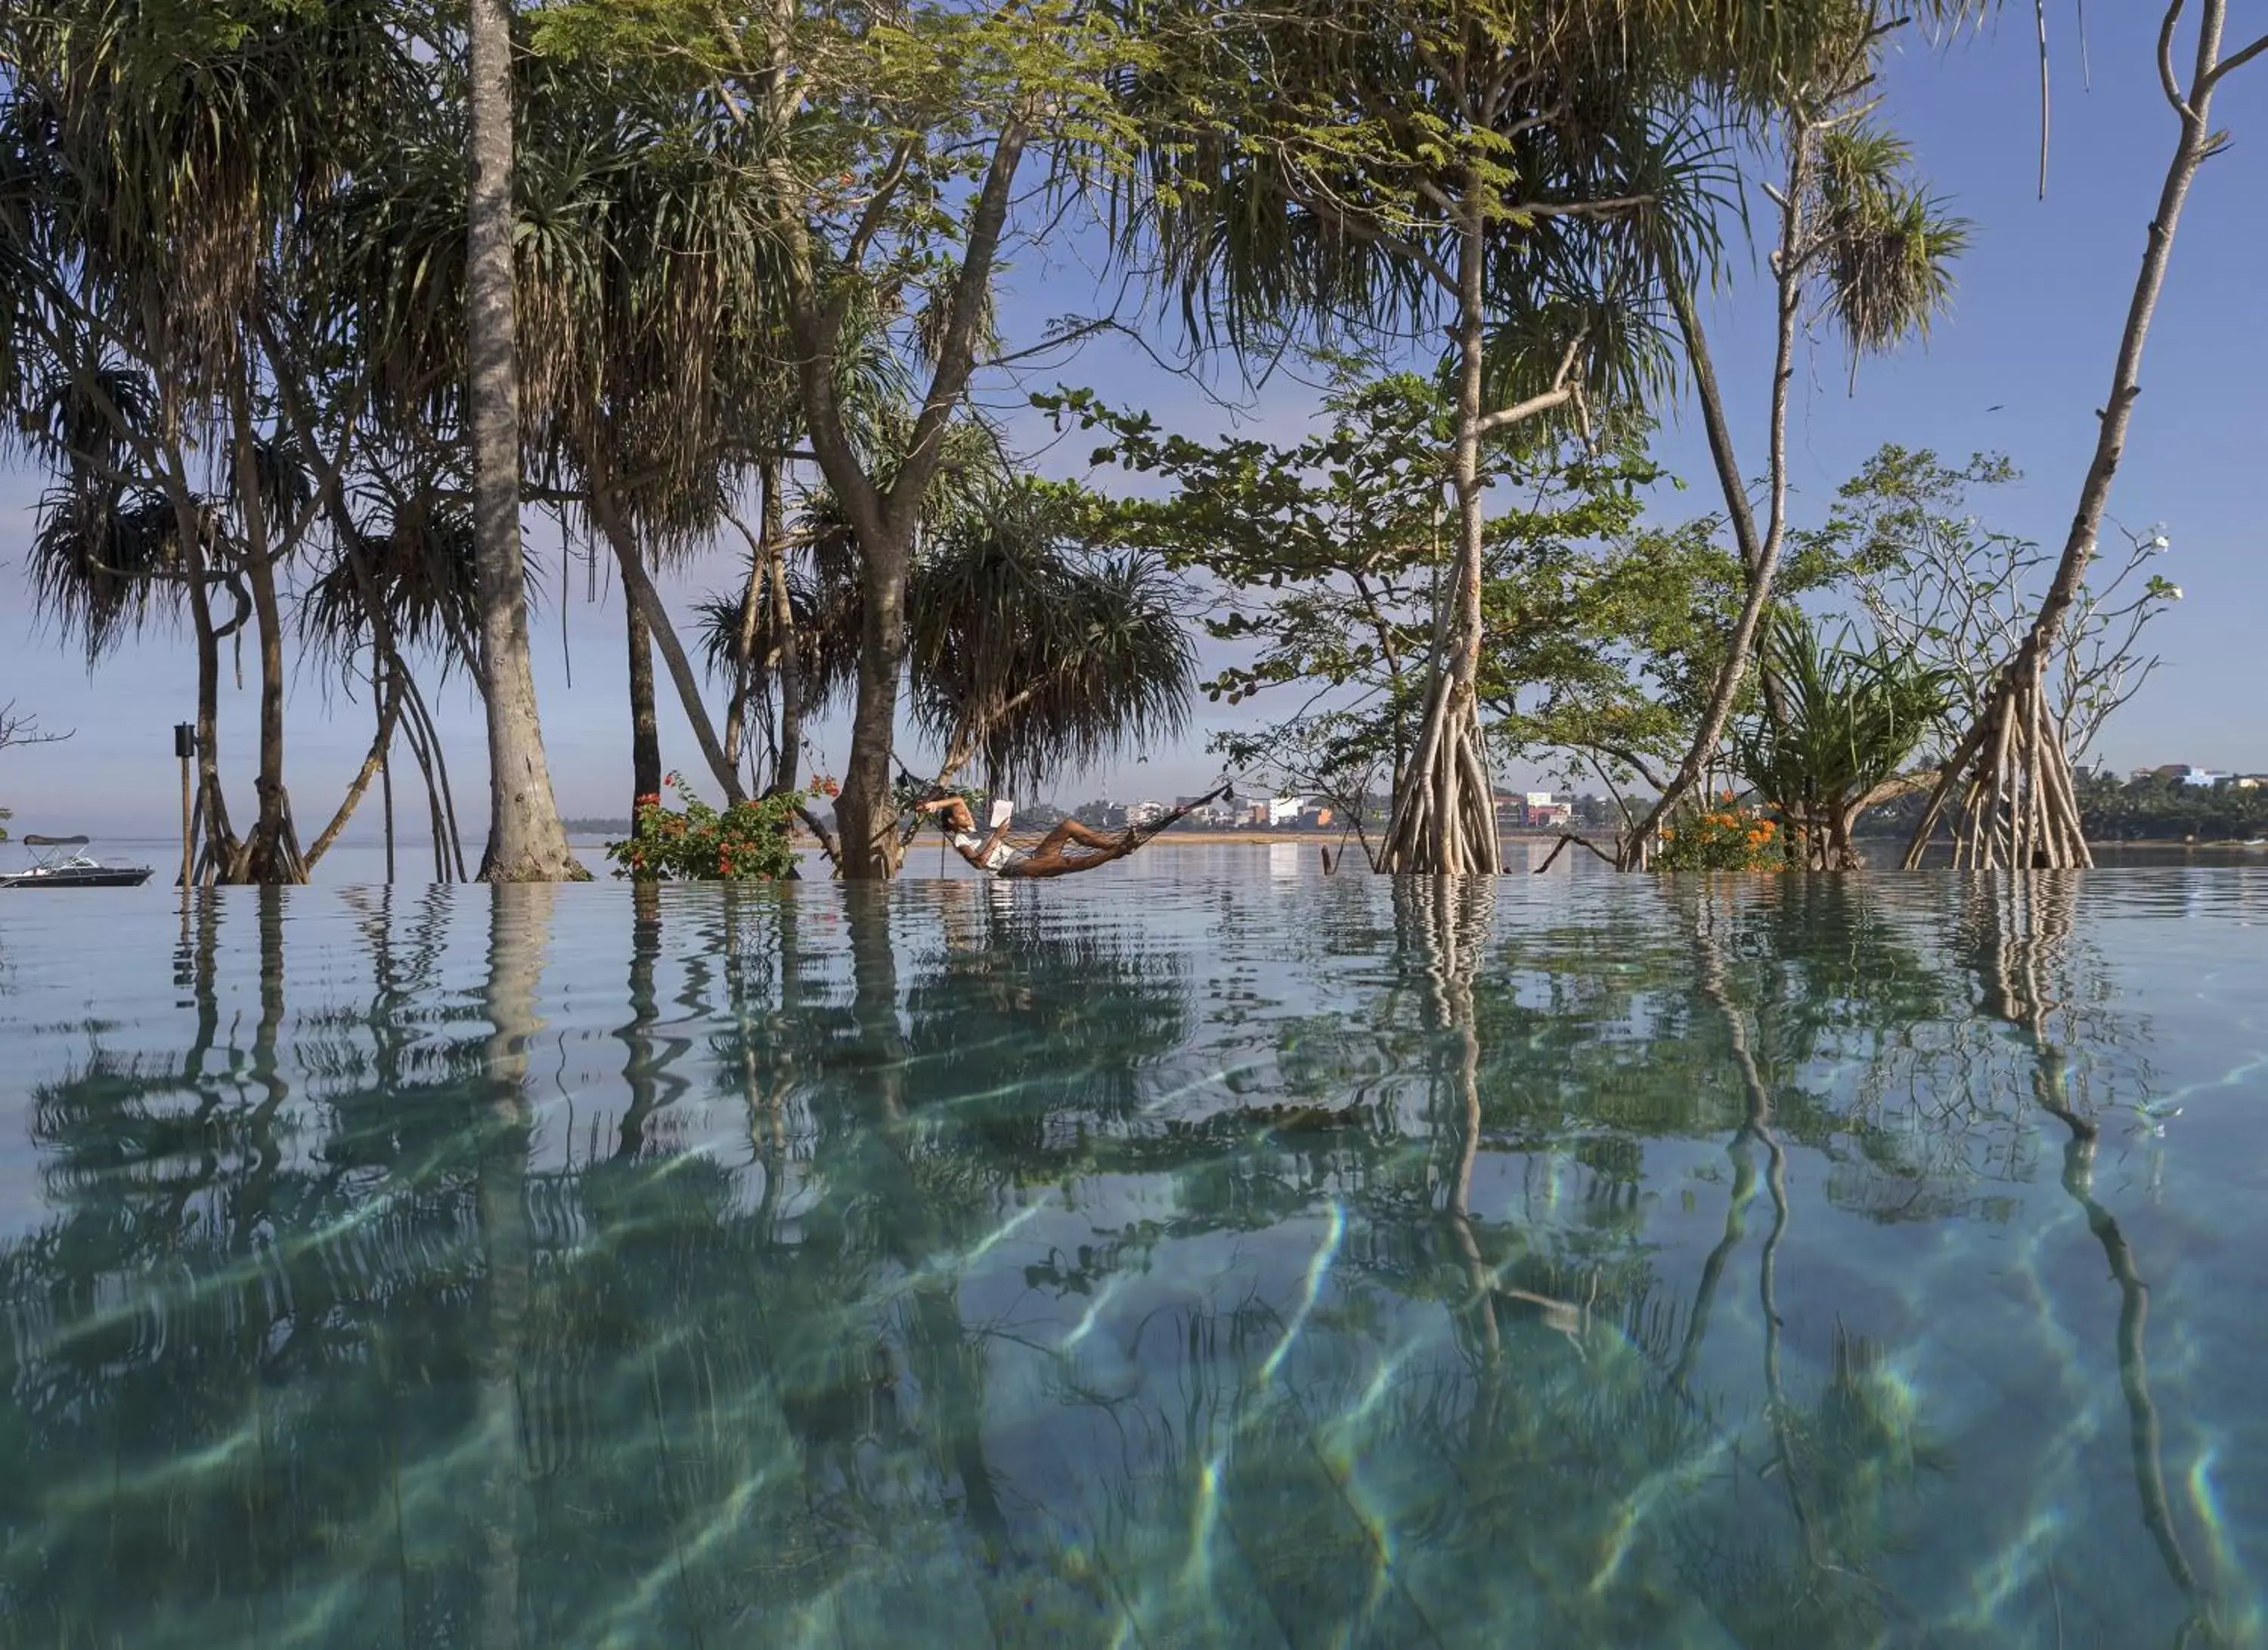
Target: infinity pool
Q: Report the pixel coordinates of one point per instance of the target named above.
(1150, 1262)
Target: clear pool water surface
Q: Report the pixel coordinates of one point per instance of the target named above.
(1163, 1259)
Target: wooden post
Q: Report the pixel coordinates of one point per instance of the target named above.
(185, 746)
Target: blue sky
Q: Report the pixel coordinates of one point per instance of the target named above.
(2034, 328)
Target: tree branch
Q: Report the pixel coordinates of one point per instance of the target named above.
(2236, 60)
(22, 731)
(956, 353)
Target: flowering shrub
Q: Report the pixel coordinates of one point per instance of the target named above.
(694, 843)
(1723, 839)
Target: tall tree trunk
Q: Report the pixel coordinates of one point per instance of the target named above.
(527, 842)
(753, 607)
(2020, 806)
(646, 732)
(386, 805)
(752, 610)
(212, 804)
(788, 671)
(271, 853)
(866, 812)
(1444, 821)
(637, 587)
(1760, 557)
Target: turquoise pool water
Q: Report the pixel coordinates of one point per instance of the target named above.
(1162, 1260)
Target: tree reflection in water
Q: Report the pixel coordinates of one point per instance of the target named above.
(2022, 932)
(970, 1264)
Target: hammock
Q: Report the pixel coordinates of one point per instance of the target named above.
(1077, 857)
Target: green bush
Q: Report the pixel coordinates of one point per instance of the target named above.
(694, 843)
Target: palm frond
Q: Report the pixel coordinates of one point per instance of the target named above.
(1888, 246)
(102, 564)
(1042, 650)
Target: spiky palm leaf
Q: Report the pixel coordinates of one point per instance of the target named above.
(826, 618)
(1849, 718)
(1887, 247)
(105, 551)
(1042, 651)
(103, 564)
(648, 350)
(417, 548)
(192, 143)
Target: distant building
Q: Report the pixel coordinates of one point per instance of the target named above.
(1280, 811)
(1532, 810)
(2186, 774)
(1220, 814)
(1145, 812)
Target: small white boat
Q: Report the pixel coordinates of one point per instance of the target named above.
(63, 862)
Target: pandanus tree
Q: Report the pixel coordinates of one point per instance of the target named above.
(2019, 805)
(899, 147)
(764, 663)
(1524, 176)
(1034, 648)
(526, 841)
(1032, 651)
(787, 643)
(1458, 167)
(436, 330)
(165, 164)
(1844, 721)
(401, 592)
(654, 387)
(1862, 249)
(643, 262)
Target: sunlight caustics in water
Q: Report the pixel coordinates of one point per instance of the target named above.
(1206, 1258)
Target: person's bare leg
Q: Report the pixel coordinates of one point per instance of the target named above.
(1072, 831)
(1048, 859)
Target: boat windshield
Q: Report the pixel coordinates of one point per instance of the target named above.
(60, 854)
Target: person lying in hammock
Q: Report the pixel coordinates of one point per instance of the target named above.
(1070, 847)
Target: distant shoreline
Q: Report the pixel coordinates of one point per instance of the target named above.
(1256, 839)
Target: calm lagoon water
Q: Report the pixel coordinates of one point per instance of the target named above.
(1168, 1258)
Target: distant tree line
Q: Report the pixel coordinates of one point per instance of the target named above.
(2150, 808)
